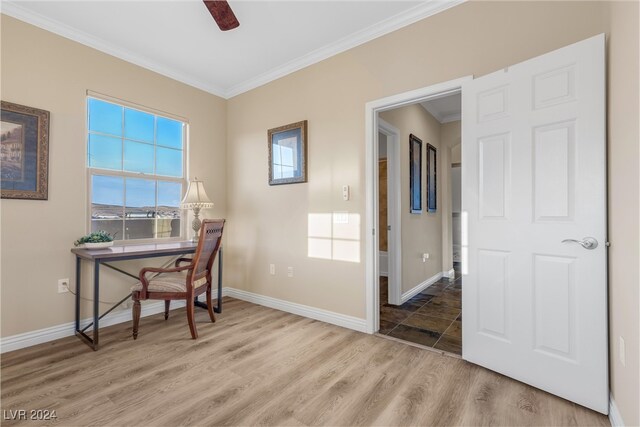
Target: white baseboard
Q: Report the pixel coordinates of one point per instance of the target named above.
(384, 263)
(406, 296)
(28, 339)
(334, 318)
(614, 415)
(451, 274)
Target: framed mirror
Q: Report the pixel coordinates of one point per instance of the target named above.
(288, 154)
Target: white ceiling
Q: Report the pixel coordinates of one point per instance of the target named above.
(445, 109)
(180, 39)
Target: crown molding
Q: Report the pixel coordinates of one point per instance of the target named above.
(442, 119)
(408, 17)
(451, 118)
(434, 113)
(15, 10)
(424, 10)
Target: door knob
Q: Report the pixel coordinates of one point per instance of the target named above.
(586, 242)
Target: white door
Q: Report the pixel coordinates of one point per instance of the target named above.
(535, 308)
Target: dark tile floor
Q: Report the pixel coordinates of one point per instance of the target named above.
(432, 318)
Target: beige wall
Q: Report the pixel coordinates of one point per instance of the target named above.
(624, 214)
(43, 70)
(421, 233)
(456, 154)
(270, 224)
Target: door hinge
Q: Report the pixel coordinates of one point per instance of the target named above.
(373, 231)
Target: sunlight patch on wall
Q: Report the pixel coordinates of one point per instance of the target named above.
(334, 236)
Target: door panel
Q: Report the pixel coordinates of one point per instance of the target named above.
(493, 175)
(554, 305)
(535, 308)
(493, 286)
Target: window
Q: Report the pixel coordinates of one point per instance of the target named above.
(136, 164)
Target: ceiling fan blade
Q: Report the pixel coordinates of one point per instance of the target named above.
(222, 14)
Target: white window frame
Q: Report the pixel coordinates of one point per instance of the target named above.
(90, 172)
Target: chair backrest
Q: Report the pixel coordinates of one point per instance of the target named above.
(208, 245)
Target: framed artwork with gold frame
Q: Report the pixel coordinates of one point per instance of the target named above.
(24, 152)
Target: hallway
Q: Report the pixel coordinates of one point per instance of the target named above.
(432, 318)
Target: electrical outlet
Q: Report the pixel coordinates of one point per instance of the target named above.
(272, 269)
(425, 257)
(63, 286)
(290, 271)
(621, 351)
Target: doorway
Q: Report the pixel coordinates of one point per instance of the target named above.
(422, 304)
(372, 126)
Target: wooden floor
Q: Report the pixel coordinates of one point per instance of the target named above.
(259, 366)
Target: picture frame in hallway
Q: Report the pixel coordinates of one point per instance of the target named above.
(24, 152)
(415, 174)
(288, 153)
(432, 188)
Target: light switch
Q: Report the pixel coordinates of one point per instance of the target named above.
(345, 192)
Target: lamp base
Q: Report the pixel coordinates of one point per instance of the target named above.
(195, 224)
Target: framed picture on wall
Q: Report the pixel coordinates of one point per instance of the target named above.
(431, 178)
(288, 154)
(24, 152)
(415, 174)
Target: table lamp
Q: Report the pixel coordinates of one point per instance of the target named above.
(196, 199)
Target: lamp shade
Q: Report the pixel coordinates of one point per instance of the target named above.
(196, 196)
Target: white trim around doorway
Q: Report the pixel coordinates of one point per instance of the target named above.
(372, 125)
(394, 198)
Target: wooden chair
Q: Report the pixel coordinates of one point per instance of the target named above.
(182, 283)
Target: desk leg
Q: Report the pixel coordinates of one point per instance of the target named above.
(218, 309)
(78, 273)
(96, 303)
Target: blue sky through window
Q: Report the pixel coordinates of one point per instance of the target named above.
(105, 152)
(108, 190)
(138, 157)
(129, 130)
(138, 125)
(141, 193)
(169, 193)
(123, 139)
(168, 162)
(169, 133)
(105, 117)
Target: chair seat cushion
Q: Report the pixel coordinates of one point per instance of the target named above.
(169, 282)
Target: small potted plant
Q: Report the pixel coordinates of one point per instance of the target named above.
(95, 240)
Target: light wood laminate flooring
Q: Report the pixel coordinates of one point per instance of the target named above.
(259, 366)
